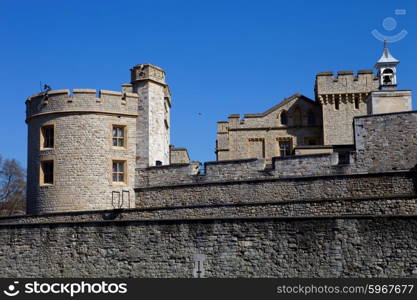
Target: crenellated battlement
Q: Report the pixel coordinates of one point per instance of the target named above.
(82, 101)
(346, 82)
(147, 72)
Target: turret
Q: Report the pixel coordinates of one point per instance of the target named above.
(343, 97)
(387, 70)
(388, 99)
(153, 136)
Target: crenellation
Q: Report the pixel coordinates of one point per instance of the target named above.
(342, 98)
(346, 82)
(82, 100)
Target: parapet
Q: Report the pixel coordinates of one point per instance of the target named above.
(178, 155)
(375, 151)
(148, 72)
(82, 101)
(345, 82)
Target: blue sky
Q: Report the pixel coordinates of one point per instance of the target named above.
(221, 57)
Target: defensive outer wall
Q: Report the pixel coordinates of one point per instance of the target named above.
(307, 216)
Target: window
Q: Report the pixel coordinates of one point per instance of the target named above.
(311, 118)
(119, 135)
(356, 102)
(336, 104)
(297, 116)
(47, 137)
(47, 172)
(284, 118)
(119, 171)
(284, 148)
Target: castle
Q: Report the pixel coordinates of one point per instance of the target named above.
(310, 188)
(107, 140)
(299, 125)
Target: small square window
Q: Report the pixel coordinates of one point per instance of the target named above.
(119, 136)
(47, 172)
(284, 148)
(47, 137)
(119, 171)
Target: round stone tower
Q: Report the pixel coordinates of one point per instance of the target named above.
(81, 150)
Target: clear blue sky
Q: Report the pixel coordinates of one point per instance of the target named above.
(221, 57)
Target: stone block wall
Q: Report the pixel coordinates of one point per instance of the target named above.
(278, 190)
(354, 206)
(386, 142)
(305, 165)
(260, 247)
(244, 169)
(166, 175)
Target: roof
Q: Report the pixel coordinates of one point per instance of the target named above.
(285, 101)
(386, 57)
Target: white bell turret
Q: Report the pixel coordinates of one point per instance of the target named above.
(387, 70)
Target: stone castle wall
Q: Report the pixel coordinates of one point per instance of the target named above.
(240, 247)
(306, 216)
(279, 190)
(386, 142)
(375, 205)
(83, 152)
(306, 177)
(375, 150)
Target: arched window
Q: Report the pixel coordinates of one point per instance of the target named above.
(297, 116)
(311, 118)
(284, 118)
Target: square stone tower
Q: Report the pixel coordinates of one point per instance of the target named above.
(342, 98)
(153, 133)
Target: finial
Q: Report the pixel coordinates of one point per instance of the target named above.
(386, 57)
